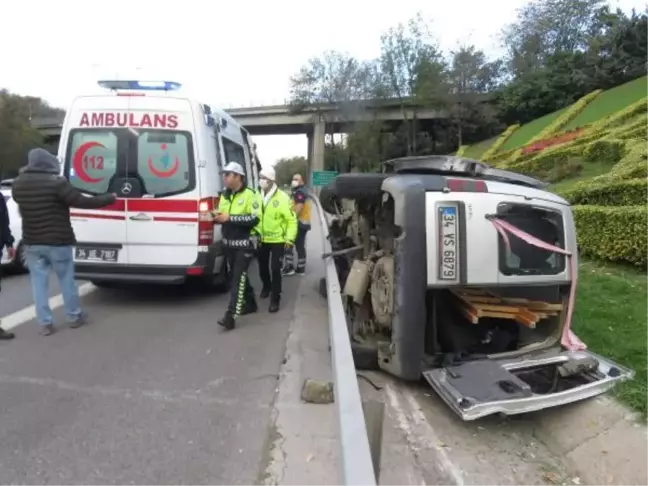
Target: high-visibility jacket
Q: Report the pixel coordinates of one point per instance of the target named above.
(278, 221)
(300, 196)
(244, 209)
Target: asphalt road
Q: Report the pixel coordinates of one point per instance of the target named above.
(150, 392)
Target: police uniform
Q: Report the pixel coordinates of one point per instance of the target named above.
(240, 240)
(299, 196)
(278, 229)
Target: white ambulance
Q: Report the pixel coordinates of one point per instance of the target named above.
(161, 154)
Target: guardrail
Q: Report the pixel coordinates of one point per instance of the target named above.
(358, 465)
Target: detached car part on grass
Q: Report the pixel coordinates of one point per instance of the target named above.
(433, 288)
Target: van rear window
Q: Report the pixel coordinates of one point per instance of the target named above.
(162, 160)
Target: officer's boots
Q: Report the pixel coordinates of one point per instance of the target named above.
(274, 303)
(227, 321)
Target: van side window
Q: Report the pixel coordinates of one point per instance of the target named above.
(233, 152)
(219, 157)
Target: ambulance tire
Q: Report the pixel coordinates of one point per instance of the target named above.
(359, 185)
(327, 198)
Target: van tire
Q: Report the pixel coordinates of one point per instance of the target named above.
(328, 198)
(359, 186)
(103, 284)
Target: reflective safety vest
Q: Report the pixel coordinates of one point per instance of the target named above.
(300, 196)
(244, 209)
(278, 222)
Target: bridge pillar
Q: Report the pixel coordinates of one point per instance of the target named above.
(316, 148)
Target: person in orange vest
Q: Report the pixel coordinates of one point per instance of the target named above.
(302, 208)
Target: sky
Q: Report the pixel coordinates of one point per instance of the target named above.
(225, 53)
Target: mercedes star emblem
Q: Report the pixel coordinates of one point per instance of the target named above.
(127, 188)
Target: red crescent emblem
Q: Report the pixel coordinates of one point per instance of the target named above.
(77, 162)
(162, 173)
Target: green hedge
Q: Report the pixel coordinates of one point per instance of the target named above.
(499, 143)
(622, 193)
(616, 234)
(609, 151)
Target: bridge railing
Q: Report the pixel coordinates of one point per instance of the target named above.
(358, 465)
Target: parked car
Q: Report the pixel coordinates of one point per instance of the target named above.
(15, 223)
(435, 287)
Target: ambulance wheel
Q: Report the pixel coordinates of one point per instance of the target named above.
(359, 185)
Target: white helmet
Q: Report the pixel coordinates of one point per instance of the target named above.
(235, 168)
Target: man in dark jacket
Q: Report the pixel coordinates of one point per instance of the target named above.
(44, 199)
(7, 240)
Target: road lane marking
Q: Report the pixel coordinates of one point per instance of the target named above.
(28, 313)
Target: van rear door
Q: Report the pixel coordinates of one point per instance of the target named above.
(162, 218)
(91, 163)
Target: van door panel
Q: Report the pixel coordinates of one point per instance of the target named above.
(97, 226)
(162, 231)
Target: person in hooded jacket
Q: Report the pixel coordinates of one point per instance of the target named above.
(278, 233)
(44, 199)
(7, 240)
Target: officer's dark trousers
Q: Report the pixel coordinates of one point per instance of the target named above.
(241, 292)
(300, 247)
(270, 261)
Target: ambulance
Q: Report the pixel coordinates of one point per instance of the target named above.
(162, 155)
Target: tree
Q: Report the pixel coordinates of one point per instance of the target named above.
(413, 69)
(471, 76)
(287, 167)
(16, 132)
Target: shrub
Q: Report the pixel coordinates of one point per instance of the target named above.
(568, 115)
(609, 151)
(501, 140)
(461, 150)
(631, 166)
(621, 193)
(617, 234)
(569, 168)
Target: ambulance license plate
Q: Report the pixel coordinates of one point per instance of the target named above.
(448, 243)
(96, 254)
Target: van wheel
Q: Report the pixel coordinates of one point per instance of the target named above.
(359, 185)
(102, 284)
(327, 198)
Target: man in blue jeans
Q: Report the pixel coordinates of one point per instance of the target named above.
(44, 199)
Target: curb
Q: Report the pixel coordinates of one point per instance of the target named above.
(603, 442)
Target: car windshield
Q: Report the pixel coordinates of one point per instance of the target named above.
(161, 159)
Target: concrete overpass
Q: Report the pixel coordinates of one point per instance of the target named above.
(313, 121)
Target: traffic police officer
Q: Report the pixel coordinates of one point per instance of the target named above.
(278, 233)
(239, 211)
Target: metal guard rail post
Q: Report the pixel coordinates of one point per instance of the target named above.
(356, 460)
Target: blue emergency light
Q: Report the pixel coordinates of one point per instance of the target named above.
(140, 85)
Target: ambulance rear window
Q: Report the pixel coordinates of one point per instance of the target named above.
(162, 160)
(92, 159)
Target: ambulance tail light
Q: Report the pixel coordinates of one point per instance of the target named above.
(206, 220)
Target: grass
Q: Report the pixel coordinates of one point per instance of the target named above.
(477, 150)
(526, 132)
(610, 101)
(610, 317)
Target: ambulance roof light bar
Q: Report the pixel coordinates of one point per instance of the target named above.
(140, 85)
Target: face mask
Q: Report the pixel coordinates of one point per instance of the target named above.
(294, 183)
(265, 184)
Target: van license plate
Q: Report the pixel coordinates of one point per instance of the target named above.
(96, 254)
(449, 243)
